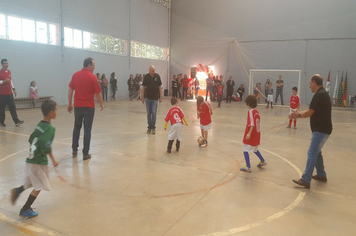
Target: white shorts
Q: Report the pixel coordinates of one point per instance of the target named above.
(37, 176)
(270, 98)
(205, 127)
(292, 110)
(250, 149)
(175, 132)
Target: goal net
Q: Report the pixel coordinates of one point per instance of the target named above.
(259, 79)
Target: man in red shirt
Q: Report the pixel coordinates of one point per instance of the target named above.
(185, 87)
(85, 85)
(252, 134)
(6, 97)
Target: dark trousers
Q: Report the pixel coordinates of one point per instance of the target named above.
(82, 115)
(279, 92)
(104, 92)
(9, 101)
(180, 94)
(220, 97)
(214, 91)
(185, 91)
(229, 95)
(174, 92)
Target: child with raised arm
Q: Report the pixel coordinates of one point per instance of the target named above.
(37, 171)
(176, 116)
(294, 106)
(204, 113)
(252, 134)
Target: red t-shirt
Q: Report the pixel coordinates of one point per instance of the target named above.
(294, 101)
(175, 115)
(85, 85)
(220, 89)
(205, 117)
(5, 89)
(253, 119)
(185, 83)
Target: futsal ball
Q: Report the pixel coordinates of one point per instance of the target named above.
(200, 140)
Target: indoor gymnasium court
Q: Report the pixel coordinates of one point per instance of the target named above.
(131, 185)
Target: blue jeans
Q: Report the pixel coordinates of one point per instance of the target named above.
(82, 115)
(208, 90)
(151, 108)
(315, 158)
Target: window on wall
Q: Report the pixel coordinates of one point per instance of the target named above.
(28, 29)
(22, 29)
(164, 3)
(148, 51)
(2, 27)
(94, 42)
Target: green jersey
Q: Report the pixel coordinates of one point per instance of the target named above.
(40, 143)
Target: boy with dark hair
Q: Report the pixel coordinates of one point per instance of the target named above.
(294, 106)
(220, 90)
(204, 112)
(252, 134)
(176, 116)
(37, 172)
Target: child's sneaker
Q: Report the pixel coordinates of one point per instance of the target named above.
(28, 213)
(15, 193)
(246, 169)
(262, 164)
(288, 126)
(205, 144)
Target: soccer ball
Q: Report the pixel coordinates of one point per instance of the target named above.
(200, 140)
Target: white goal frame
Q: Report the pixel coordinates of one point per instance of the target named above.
(251, 83)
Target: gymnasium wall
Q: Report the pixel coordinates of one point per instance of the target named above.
(53, 66)
(313, 36)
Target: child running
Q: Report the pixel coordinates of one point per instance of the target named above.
(252, 134)
(294, 106)
(176, 116)
(37, 172)
(204, 113)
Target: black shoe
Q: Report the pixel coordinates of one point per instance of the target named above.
(86, 157)
(74, 154)
(19, 123)
(148, 131)
(2, 125)
(169, 151)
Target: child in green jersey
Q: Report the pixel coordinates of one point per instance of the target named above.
(37, 172)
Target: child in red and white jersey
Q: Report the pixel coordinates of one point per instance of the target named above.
(220, 90)
(294, 106)
(176, 116)
(252, 134)
(204, 112)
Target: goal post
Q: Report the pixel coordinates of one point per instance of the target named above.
(291, 78)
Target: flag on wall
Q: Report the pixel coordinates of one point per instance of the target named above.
(340, 92)
(327, 88)
(335, 88)
(344, 97)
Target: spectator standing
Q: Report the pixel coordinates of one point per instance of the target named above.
(196, 87)
(132, 86)
(113, 85)
(209, 86)
(185, 83)
(104, 87)
(279, 85)
(241, 91)
(230, 89)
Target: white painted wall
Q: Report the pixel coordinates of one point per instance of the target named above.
(53, 66)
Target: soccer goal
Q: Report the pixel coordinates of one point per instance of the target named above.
(259, 77)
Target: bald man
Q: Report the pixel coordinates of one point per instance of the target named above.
(152, 85)
(321, 126)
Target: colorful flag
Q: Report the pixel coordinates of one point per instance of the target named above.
(344, 97)
(340, 93)
(335, 88)
(327, 88)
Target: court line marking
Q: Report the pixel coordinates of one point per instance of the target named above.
(275, 216)
(24, 226)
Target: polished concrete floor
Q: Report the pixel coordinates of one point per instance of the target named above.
(131, 186)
